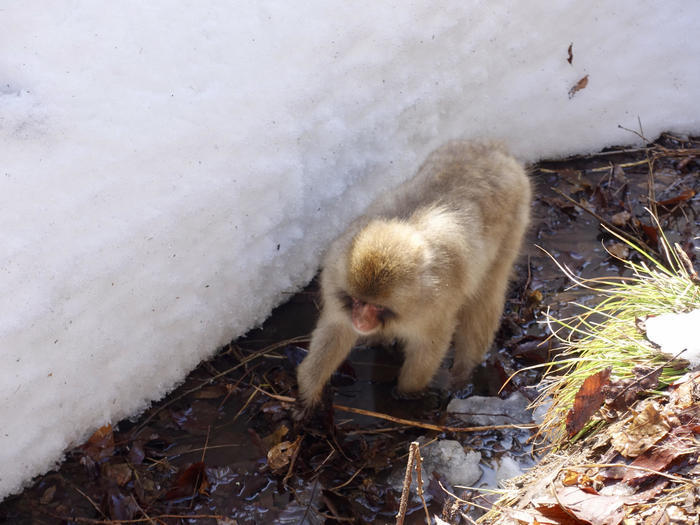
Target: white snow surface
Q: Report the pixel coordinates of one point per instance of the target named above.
(675, 333)
(170, 170)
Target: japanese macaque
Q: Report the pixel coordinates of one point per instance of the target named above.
(427, 265)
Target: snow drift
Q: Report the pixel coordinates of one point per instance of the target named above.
(171, 169)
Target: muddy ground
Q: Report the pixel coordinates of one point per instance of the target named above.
(200, 455)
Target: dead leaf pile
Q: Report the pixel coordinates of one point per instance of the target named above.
(642, 469)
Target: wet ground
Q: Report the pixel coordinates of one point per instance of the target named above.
(201, 454)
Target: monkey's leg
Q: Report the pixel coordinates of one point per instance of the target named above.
(330, 345)
(422, 360)
(479, 320)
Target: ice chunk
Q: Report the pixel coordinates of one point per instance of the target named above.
(485, 410)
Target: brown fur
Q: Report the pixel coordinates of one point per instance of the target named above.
(436, 253)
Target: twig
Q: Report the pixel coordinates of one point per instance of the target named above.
(97, 508)
(652, 471)
(295, 455)
(349, 480)
(428, 426)
(260, 353)
(200, 475)
(402, 421)
(653, 371)
(692, 274)
(245, 405)
(601, 168)
(464, 501)
(401, 515)
(419, 479)
(284, 399)
(607, 224)
(143, 520)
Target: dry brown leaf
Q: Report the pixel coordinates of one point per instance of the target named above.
(555, 514)
(685, 392)
(279, 456)
(101, 444)
(570, 478)
(621, 394)
(588, 400)
(681, 197)
(621, 218)
(592, 508)
(581, 84)
(190, 482)
(646, 428)
(119, 473)
(211, 392)
(656, 458)
(619, 250)
(276, 437)
(652, 234)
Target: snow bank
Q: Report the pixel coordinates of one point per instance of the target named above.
(170, 169)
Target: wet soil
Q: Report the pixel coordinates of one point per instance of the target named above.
(201, 454)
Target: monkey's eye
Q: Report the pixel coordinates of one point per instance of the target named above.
(385, 314)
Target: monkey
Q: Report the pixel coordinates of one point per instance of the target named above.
(427, 265)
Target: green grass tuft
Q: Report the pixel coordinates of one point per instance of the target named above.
(608, 335)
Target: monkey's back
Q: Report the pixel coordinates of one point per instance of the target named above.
(461, 176)
(484, 187)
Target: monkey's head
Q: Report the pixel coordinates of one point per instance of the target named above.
(385, 274)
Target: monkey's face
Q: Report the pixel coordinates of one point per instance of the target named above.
(366, 317)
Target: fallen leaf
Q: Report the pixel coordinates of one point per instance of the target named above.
(621, 218)
(619, 250)
(211, 392)
(681, 197)
(119, 506)
(48, 495)
(592, 508)
(619, 395)
(651, 234)
(276, 437)
(588, 400)
(190, 482)
(656, 458)
(570, 478)
(546, 515)
(685, 392)
(101, 444)
(279, 456)
(120, 473)
(645, 429)
(581, 84)
(659, 517)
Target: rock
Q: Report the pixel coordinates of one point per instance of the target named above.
(448, 459)
(485, 411)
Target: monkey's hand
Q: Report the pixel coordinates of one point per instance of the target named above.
(301, 412)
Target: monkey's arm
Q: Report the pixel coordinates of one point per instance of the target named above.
(331, 343)
(423, 356)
